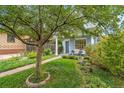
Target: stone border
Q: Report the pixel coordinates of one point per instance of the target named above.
(36, 85)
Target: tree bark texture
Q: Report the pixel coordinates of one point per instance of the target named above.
(38, 62)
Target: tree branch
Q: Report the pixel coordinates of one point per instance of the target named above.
(13, 32)
(28, 24)
(15, 22)
(69, 15)
(58, 15)
(53, 31)
(40, 23)
(97, 20)
(57, 26)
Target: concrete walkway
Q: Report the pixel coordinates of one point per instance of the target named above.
(19, 69)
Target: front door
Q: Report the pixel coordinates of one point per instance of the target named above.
(67, 47)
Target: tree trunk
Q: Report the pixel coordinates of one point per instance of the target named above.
(38, 63)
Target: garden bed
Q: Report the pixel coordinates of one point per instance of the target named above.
(99, 78)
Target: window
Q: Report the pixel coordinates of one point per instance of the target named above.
(10, 38)
(80, 44)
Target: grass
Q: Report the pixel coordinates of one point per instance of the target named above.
(64, 74)
(18, 62)
(48, 56)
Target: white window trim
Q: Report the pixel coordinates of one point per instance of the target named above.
(79, 39)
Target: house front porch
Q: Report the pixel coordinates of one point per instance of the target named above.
(74, 46)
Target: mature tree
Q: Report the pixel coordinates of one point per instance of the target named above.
(41, 22)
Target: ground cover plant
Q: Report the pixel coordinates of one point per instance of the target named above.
(93, 76)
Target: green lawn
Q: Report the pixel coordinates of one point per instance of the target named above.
(64, 74)
(18, 62)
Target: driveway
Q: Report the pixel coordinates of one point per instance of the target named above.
(6, 56)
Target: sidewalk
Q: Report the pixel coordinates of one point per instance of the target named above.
(19, 69)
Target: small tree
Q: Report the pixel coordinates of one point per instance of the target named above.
(41, 22)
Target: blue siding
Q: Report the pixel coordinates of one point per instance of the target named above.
(72, 46)
(89, 40)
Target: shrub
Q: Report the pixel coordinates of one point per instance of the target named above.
(65, 56)
(110, 52)
(91, 53)
(31, 54)
(70, 57)
(47, 51)
(87, 57)
(13, 58)
(95, 82)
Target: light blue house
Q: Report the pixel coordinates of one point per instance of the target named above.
(77, 44)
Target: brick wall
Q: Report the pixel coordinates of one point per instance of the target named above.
(17, 46)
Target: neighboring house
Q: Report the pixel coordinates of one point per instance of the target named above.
(77, 44)
(10, 45)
